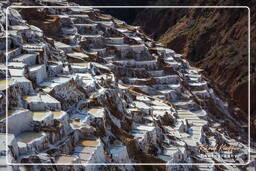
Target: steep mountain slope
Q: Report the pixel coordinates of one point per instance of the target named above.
(220, 47)
(84, 87)
(126, 14)
(215, 40)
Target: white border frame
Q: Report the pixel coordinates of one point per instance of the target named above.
(111, 164)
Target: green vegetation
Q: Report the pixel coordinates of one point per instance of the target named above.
(232, 53)
(217, 53)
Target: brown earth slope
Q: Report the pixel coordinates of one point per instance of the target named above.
(215, 40)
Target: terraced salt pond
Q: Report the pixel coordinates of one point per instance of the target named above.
(3, 84)
(66, 159)
(11, 112)
(40, 115)
(89, 143)
(58, 114)
(97, 112)
(28, 137)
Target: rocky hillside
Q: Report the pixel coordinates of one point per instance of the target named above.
(126, 14)
(86, 88)
(215, 40)
(220, 47)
